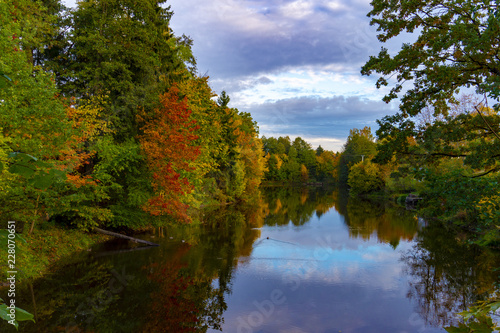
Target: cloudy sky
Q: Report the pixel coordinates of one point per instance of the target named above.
(293, 64)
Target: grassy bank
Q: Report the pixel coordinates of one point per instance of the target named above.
(43, 248)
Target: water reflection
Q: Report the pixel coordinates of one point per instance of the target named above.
(389, 224)
(294, 260)
(364, 218)
(447, 275)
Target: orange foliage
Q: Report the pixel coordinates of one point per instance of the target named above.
(167, 143)
(73, 157)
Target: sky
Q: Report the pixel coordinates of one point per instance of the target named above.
(294, 65)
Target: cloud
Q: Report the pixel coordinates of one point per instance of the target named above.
(236, 38)
(312, 117)
(293, 64)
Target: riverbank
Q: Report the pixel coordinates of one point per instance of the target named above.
(44, 247)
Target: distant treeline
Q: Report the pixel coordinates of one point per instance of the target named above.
(297, 161)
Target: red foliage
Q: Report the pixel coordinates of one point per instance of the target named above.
(167, 141)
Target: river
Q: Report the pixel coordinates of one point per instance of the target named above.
(295, 260)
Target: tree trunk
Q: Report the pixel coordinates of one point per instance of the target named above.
(114, 234)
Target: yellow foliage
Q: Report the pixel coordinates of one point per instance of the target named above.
(489, 208)
(304, 174)
(89, 117)
(279, 162)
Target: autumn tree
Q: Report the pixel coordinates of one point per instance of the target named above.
(167, 142)
(327, 166)
(304, 173)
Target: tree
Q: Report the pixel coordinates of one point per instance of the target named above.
(126, 50)
(365, 177)
(327, 165)
(457, 46)
(304, 174)
(223, 99)
(36, 129)
(360, 145)
(305, 155)
(319, 150)
(167, 142)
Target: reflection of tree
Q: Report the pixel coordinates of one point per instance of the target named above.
(83, 297)
(296, 204)
(186, 299)
(391, 224)
(447, 276)
(182, 303)
(177, 287)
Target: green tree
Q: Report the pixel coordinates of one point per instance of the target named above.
(365, 177)
(126, 50)
(305, 155)
(360, 145)
(456, 47)
(34, 121)
(291, 166)
(319, 150)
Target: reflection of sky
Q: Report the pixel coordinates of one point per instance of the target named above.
(329, 282)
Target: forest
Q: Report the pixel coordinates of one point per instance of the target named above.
(105, 122)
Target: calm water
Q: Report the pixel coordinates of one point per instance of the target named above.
(297, 260)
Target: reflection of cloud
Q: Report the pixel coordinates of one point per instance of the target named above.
(331, 282)
(374, 265)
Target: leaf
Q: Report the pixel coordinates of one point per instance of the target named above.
(22, 170)
(4, 311)
(460, 329)
(22, 157)
(4, 80)
(42, 181)
(4, 233)
(23, 315)
(22, 164)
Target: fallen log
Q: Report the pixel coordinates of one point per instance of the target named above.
(114, 234)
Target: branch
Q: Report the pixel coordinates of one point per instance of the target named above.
(484, 173)
(486, 122)
(435, 154)
(136, 240)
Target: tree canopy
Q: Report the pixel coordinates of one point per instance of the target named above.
(458, 45)
(102, 114)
